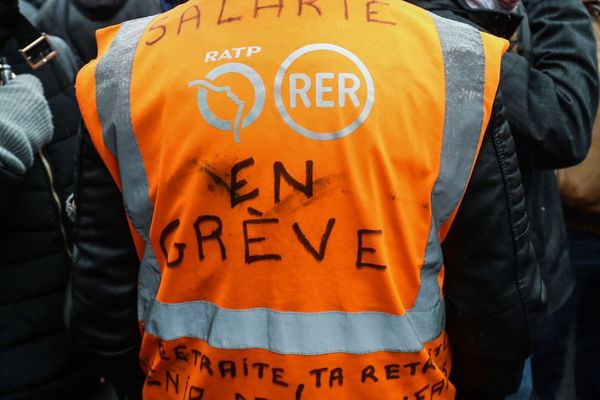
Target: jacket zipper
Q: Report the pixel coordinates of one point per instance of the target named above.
(56, 199)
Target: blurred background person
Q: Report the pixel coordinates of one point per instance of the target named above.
(551, 94)
(39, 121)
(580, 190)
(76, 21)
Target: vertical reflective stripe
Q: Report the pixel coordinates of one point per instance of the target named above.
(429, 291)
(149, 276)
(464, 65)
(113, 85)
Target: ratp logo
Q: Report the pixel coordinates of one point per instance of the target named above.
(238, 120)
(316, 103)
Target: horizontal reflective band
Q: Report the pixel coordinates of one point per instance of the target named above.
(294, 332)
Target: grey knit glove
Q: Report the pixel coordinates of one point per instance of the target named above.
(25, 123)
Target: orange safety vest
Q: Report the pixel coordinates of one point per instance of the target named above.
(289, 169)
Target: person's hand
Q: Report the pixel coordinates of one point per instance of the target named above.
(25, 123)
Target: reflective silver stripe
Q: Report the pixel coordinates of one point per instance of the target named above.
(293, 332)
(464, 65)
(113, 84)
(429, 291)
(149, 279)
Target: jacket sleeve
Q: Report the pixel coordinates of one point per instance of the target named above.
(551, 99)
(493, 288)
(104, 278)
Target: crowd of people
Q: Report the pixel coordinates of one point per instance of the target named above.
(299, 200)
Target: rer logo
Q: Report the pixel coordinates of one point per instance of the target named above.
(311, 102)
(320, 105)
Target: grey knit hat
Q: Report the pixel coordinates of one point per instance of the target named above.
(25, 123)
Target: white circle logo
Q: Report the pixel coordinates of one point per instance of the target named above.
(299, 85)
(206, 85)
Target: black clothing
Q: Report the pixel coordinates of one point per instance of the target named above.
(37, 359)
(105, 276)
(494, 294)
(36, 3)
(98, 10)
(493, 286)
(550, 102)
(9, 8)
(76, 21)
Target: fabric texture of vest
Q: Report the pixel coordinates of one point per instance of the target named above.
(289, 172)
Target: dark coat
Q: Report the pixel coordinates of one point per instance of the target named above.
(37, 359)
(580, 185)
(76, 21)
(551, 102)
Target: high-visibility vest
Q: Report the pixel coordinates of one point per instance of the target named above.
(289, 170)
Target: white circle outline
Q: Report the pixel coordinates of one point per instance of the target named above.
(307, 132)
(259, 95)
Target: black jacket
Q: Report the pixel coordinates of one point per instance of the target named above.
(493, 287)
(37, 358)
(551, 101)
(76, 21)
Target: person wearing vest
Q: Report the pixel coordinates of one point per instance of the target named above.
(277, 187)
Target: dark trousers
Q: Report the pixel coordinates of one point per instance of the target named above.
(549, 360)
(585, 257)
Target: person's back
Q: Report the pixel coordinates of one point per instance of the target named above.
(288, 184)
